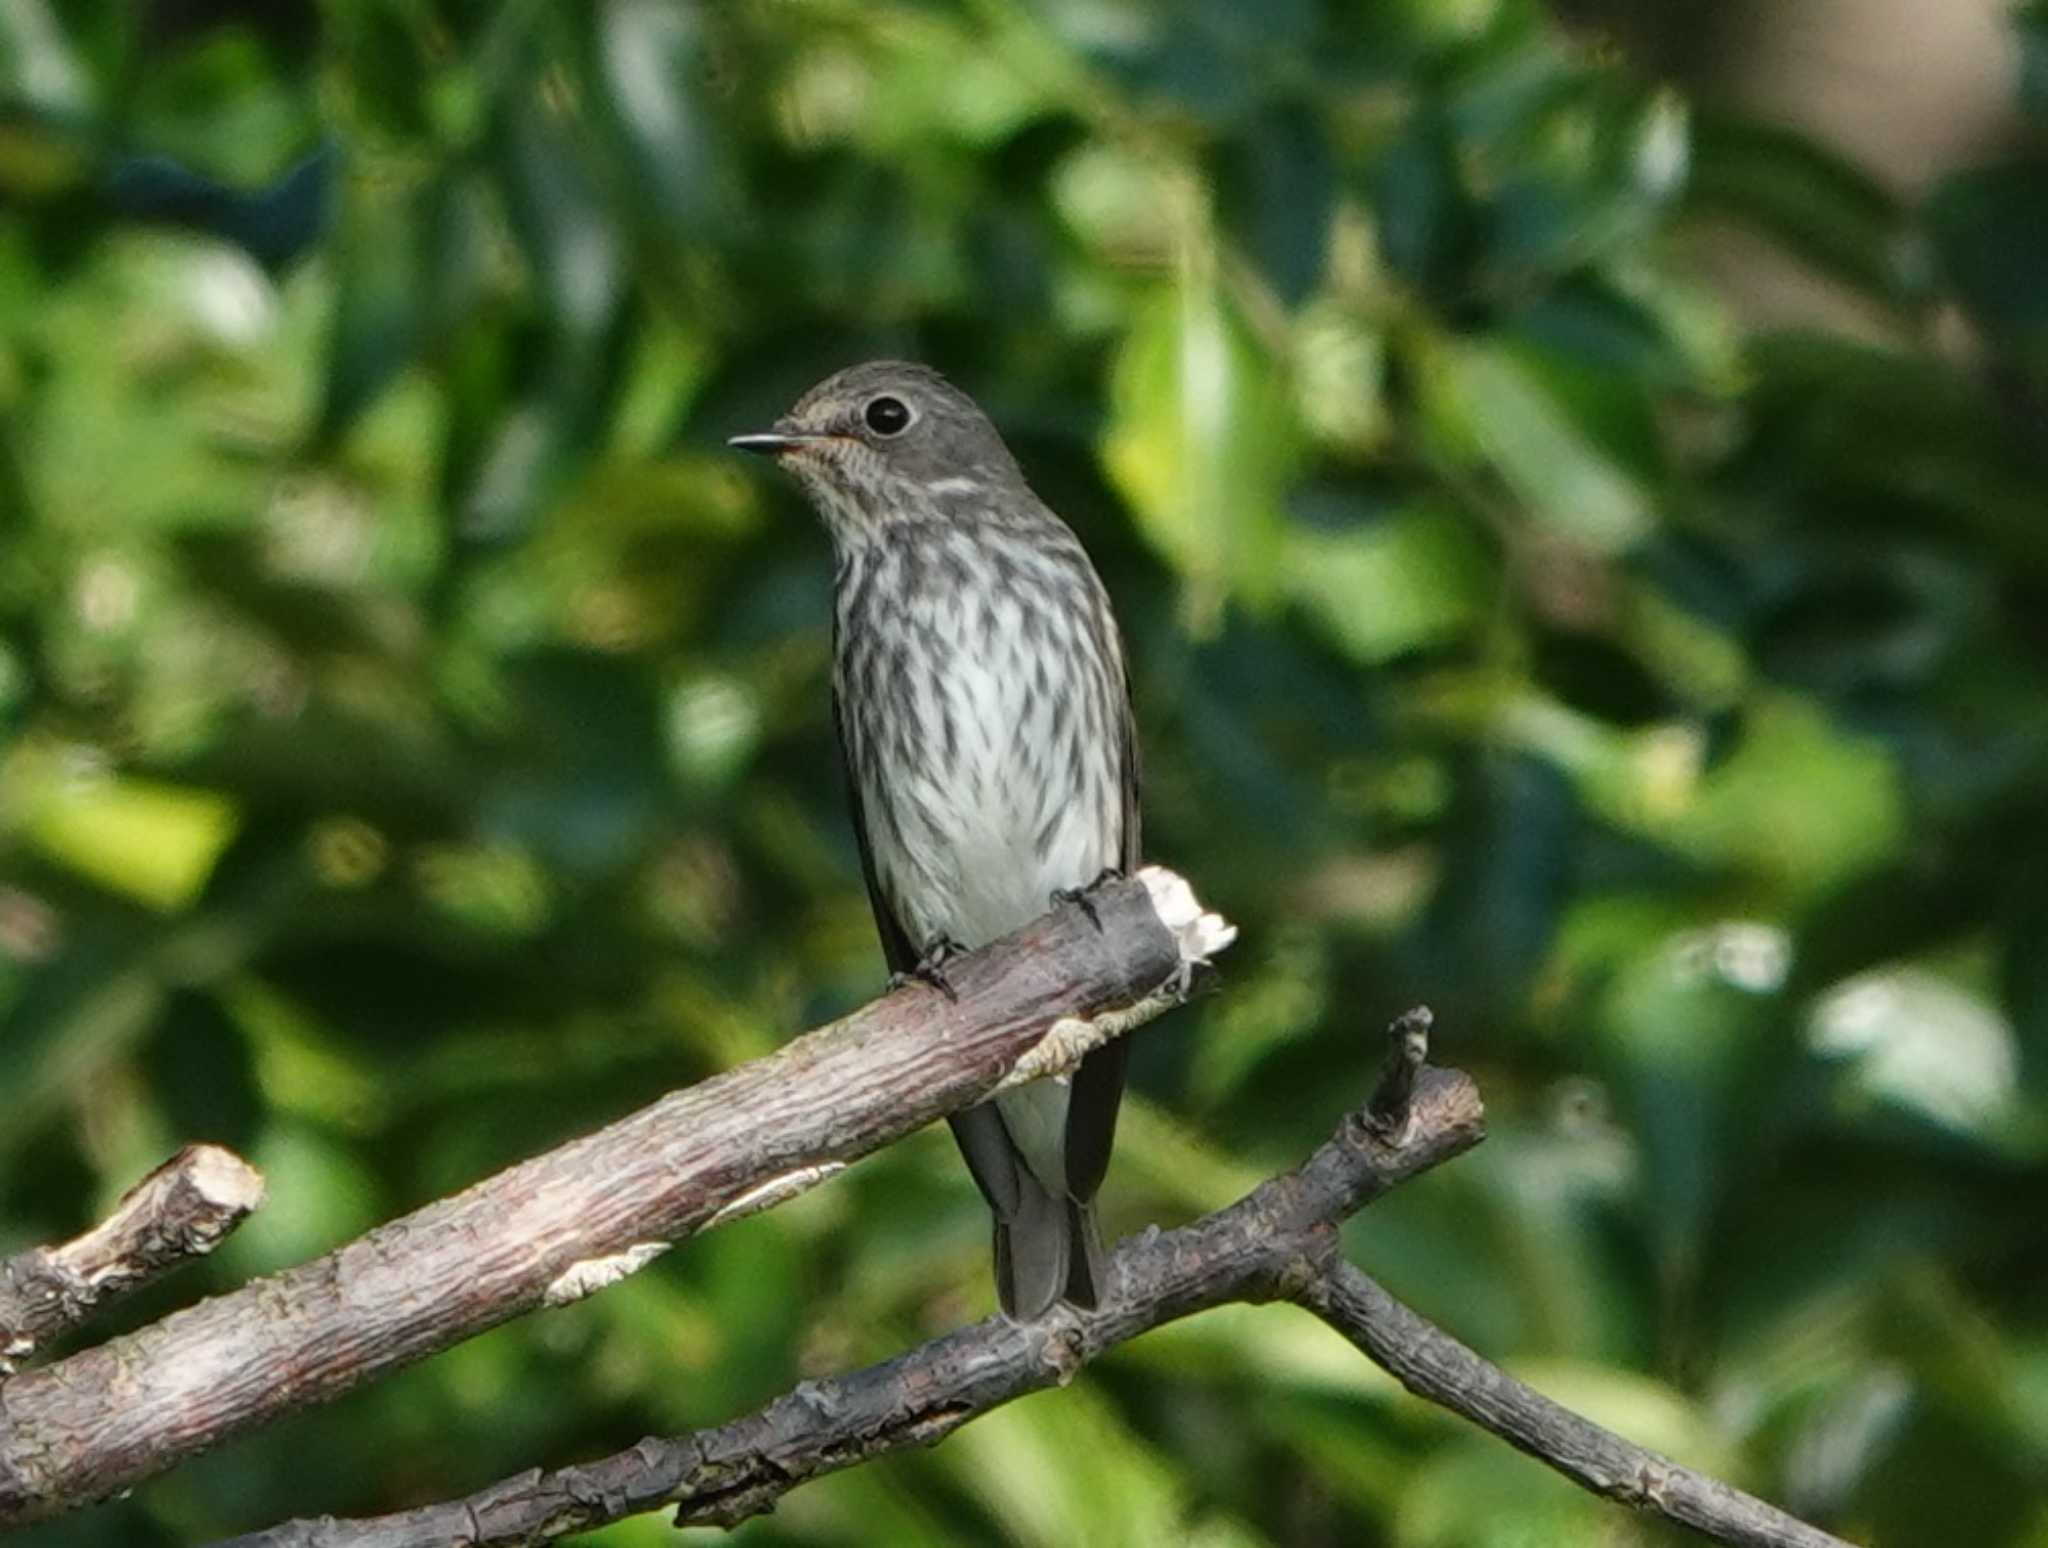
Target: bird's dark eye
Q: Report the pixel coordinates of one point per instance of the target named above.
(887, 416)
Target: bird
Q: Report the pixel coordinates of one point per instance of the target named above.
(983, 712)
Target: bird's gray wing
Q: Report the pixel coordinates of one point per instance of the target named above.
(1099, 1082)
(991, 1158)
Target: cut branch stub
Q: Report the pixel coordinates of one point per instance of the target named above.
(1408, 1051)
(180, 1211)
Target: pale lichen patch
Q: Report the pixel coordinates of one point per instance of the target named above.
(590, 1275)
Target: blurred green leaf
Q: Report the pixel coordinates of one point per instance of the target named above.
(155, 842)
(1277, 192)
(1805, 196)
(1985, 225)
(2030, 21)
(1512, 829)
(1426, 222)
(1689, 1026)
(1797, 801)
(202, 1073)
(572, 246)
(648, 66)
(1404, 581)
(1910, 1039)
(334, 1197)
(412, 267)
(2024, 980)
(38, 66)
(274, 224)
(1200, 442)
(1464, 1497)
(1487, 405)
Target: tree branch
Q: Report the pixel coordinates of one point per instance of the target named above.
(1278, 1242)
(180, 1211)
(1433, 1365)
(569, 1222)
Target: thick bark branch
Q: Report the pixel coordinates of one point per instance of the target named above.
(180, 1211)
(1279, 1241)
(568, 1222)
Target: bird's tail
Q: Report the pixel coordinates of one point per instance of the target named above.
(1047, 1249)
(1084, 1255)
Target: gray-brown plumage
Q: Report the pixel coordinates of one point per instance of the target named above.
(984, 717)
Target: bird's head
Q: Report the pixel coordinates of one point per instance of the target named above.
(889, 442)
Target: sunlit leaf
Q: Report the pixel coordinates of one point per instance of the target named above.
(1798, 800)
(1201, 444)
(1489, 407)
(155, 842)
(1464, 1497)
(1909, 1038)
(37, 62)
(1406, 581)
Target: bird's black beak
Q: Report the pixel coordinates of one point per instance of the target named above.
(768, 443)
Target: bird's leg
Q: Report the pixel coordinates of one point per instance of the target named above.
(931, 967)
(1081, 897)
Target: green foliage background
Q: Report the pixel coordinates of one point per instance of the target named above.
(413, 746)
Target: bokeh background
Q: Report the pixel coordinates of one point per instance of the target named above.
(1576, 484)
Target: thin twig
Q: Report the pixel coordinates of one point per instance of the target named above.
(1433, 1365)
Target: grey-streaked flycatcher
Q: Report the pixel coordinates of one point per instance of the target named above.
(984, 719)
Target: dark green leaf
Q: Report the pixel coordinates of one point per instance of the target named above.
(1799, 193)
(1427, 223)
(2030, 21)
(275, 225)
(1278, 190)
(1988, 227)
(411, 269)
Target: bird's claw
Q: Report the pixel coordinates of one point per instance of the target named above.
(931, 969)
(1078, 896)
(1083, 897)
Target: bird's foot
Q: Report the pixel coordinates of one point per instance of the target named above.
(931, 968)
(1182, 983)
(1083, 897)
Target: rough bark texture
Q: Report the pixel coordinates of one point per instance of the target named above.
(583, 1215)
(1278, 1242)
(180, 1211)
